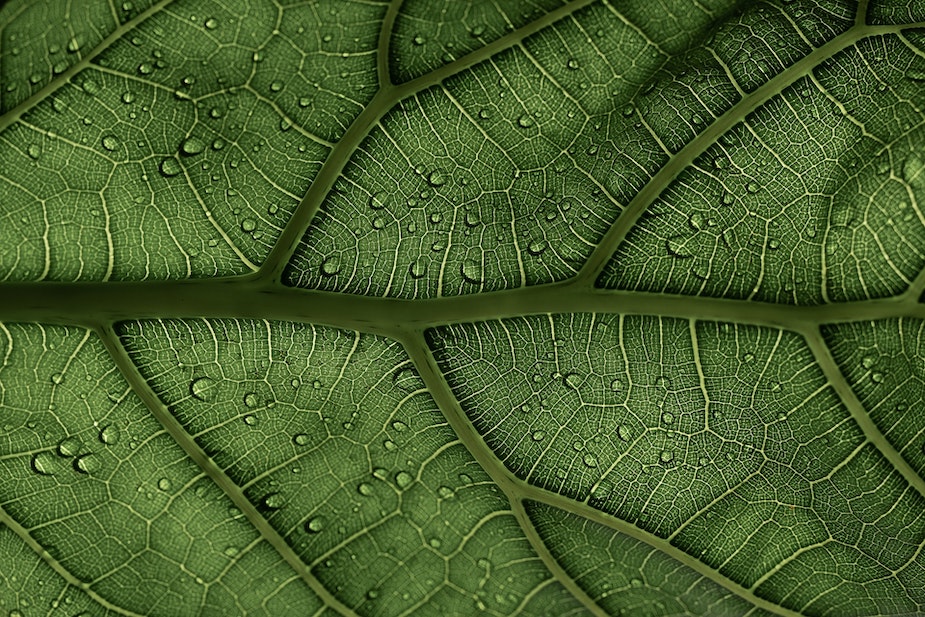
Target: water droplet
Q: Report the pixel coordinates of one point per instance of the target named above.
(200, 388)
(300, 439)
(73, 45)
(44, 463)
(445, 492)
(668, 417)
(752, 187)
(417, 269)
(145, 68)
(169, 167)
(250, 399)
(666, 456)
(877, 377)
(57, 378)
(484, 114)
(623, 432)
(365, 489)
(399, 426)
(403, 479)
(87, 463)
(276, 86)
(677, 246)
(525, 121)
(110, 142)
(471, 271)
(33, 151)
(163, 484)
(478, 31)
(572, 380)
(538, 435)
(372, 594)
(248, 225)
(868, 361)
(315, 524)
(419, 40)
(436, 178)
(231, 551)
(211, 23)
(662, 382)
(377, 201)
(572, 64)
(748, 357)
(590, 460)
(616, 385)
(192, 146)
(69, 446)
(695, 221)
(109, 434)
(250, 420)
(90, 87)
(272, 501)
(537, 247)
(330, 266)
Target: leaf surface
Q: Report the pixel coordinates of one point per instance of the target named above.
(436, 308)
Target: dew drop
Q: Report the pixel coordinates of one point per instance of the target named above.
(445, 492)
(365, 489)
(87, 463)
(169, 167)
(572, 64)
(163, 484)
(666, 456)
(471, 271)
(272, 501)
(145, 68)
(436, 178)
(250, 399)
(330, 266)
(752, 187)
(34, 152)
(69, 446)
(478, 31)
(525, 121)
(250, 420)
(90, 87)
(44, 463)
(537, 247)
(211, 23)
(616, 385)
(248, 225)
(623, 432)
(877, 377)
(73, 45)
(419, 40)
(417, 268)
(538, 435)
(230, 551)
(192, 146)
(110, 143)
(200, 388)
(590, 460)
(109, 434)
(572, 380)
(399, 426)
(315, 524)
(868, 361)
(377, 201)
(403, 479)
(57, 378)
(300, 439)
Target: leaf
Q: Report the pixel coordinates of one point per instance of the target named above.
(439, 308)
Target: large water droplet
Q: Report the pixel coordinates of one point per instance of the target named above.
(471, 271)
(169, 167)
(201, 388)
(45, 463)
(192, 146)
(69, 446)
(87, 463)
(109, 434)
(331, 266)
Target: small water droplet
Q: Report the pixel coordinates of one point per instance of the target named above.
(616, 385)
(403, 479)
(471, 271)
(169, 167)
(163, 484)
(572, 380)
(57, 378)
(666, 456)
(572, 64)
(250, 399)
(192, 146)
(211, 23)
(248, 225)
(377, 201)
(331, 266)
(110, 142)
(877, 377)
(753, 187)
(250, 420)
(272, 501)
(419, 40)
(868, 361)
(538, 435)
(33, 151)
(300, 439)
(537, 247)
(315, 524)
(590, 460)
(623, 432)
(525, 121)
(436, 178)
(365, 489)
(201, 388)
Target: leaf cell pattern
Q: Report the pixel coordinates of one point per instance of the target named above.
(416, 307)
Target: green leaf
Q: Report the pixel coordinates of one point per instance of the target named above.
(426, 307)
